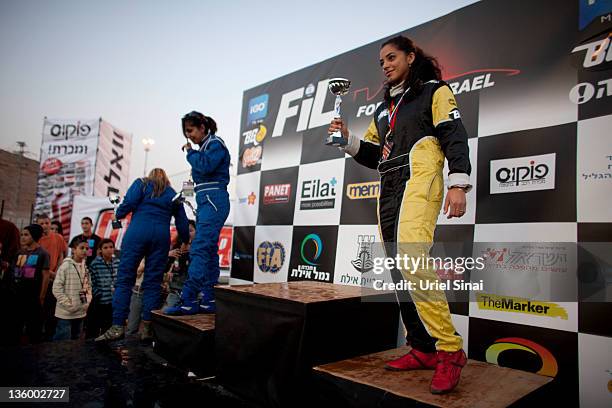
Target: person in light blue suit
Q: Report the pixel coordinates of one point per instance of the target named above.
(210, 164)
(151, 202)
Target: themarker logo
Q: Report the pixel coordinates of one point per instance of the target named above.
(362, 191)
(318, 194)
(549, 363)
(523, 174)
(258, 108)
(270, 256)
(277, 194)
(520, 305)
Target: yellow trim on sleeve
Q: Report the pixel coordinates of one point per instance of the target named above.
(371, 135)
(443, 102)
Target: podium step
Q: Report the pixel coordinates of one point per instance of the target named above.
(270, 335)
(363, 381)
(186, 341)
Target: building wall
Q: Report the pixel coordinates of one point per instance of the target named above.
(18, 175)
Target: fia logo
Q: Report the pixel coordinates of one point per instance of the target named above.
(310, 109)
(270, 256)
(364, 263)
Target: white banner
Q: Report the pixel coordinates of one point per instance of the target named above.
(67, 162)
(100, 210)
(113, 161)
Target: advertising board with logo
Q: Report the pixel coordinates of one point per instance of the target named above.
(535, 103)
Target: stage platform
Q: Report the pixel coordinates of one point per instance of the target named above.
(269, 336)
(363, 382)
(186, 341)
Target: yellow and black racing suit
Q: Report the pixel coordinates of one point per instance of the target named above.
(427, 129)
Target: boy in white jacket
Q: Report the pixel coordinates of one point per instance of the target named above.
(71, 288)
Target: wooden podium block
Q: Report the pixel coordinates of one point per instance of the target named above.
(186, 341)
(363, 381)
(269, 336)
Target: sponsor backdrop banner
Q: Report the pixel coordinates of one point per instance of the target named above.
(80, 157)
(534, 87)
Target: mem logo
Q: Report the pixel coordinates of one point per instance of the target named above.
(361, 191)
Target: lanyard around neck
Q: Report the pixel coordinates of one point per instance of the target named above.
(394, 107)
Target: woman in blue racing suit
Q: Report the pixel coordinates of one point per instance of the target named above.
(210, 171)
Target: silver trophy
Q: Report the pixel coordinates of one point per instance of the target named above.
(339, 87)
(180, 198)
(115, 199)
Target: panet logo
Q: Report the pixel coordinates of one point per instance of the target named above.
(270, 256)
(361, 191)
(311, 110)
(523, 174)
(277, 194)
(549, 367)
(317, 194)
(315, 245)
(255, 136)
(364, 263)
(519, 305)
(258, 108)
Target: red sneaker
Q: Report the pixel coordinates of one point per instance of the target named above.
(448, 371)
(414, 360)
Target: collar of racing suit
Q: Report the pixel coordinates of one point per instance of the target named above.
(396, 90)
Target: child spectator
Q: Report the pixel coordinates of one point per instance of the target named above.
(70, 288)
(102, 272)
(30, 277)
(93, 240)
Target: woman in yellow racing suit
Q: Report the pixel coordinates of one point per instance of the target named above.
(413, 130)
